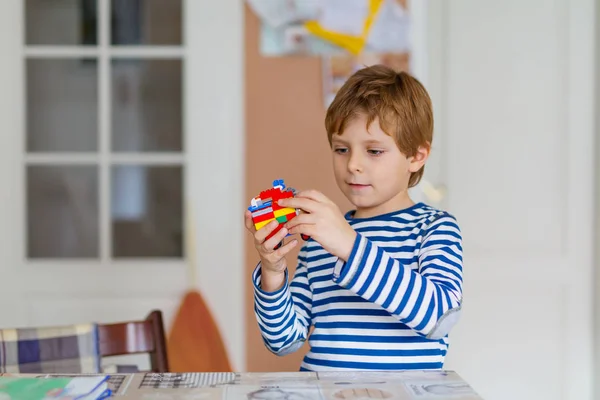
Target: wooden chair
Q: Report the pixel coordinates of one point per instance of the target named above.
(137, 337)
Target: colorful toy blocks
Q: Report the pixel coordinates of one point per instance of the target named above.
(264, 208)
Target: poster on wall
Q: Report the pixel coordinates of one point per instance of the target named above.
(325, 27)
(346, 34)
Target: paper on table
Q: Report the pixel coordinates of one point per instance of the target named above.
(441, 390)
(81, 387)
(277, 13)
(258, 392)
(344, 16)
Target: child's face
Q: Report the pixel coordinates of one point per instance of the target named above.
(370, 169)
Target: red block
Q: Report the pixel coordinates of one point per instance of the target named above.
(290, 216)
(280, 195)
(264, 217)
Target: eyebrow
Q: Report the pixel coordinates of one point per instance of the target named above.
(370, 141)
(337, 140)
(373, 141)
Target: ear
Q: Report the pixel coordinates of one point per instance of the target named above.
(419, 159)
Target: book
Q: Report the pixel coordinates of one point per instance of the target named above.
(71, 388)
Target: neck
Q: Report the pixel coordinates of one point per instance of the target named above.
(399, 202)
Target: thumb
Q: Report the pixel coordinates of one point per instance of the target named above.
(248, 221)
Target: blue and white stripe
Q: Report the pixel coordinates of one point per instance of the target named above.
(389, 307)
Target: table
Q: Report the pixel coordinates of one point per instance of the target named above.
(401, 385)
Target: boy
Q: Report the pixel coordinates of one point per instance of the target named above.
(382, 284)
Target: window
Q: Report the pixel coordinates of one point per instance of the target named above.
(104, 141)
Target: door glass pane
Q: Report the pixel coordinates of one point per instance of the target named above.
(147, 217)
(62, 105)
(61, 22)
(146, 22)
(146, 105)
(62, 211)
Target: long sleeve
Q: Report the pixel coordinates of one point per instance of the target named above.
(284, 316)
(427, 300)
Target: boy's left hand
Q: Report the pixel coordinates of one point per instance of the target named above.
(323, 221)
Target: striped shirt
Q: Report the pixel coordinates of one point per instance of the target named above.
(389, 307)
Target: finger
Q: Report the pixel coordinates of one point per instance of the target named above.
(273, 241)
(305, 204)
(304, 229)
(265, 231)
(248, 221)
(286, 248)
(314, 195)
(300, 219)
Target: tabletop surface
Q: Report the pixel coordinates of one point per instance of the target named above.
(401, 385)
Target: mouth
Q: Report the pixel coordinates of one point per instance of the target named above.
(358, 185)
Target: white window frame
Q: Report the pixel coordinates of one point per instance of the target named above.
(104, 158)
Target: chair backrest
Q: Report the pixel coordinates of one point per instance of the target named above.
(135, 337)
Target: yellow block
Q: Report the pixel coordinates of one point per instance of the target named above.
(262, 223)
(354, 44)
(284, 211)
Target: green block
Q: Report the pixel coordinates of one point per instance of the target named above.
(282, 219)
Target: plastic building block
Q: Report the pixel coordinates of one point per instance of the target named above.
(264, 208)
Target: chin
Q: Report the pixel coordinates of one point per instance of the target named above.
(361, 203)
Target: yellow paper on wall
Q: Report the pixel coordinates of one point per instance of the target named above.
(354, 44)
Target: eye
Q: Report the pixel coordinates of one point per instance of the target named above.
(340, 150)
(375, 152)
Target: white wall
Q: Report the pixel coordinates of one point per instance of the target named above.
(215, 128)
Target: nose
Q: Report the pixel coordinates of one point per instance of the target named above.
(355, 162)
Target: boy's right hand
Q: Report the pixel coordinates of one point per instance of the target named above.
(273, 261)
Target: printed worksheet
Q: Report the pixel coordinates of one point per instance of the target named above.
(250, 392)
